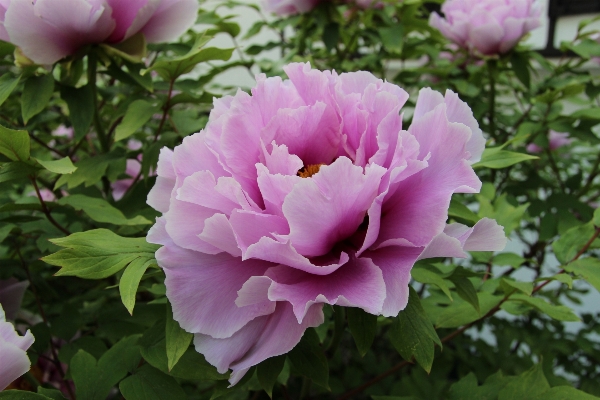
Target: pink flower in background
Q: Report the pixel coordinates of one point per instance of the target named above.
(290, 7)
(13, 352)
(133, 168)
(555, 140)
(307, 192)
(64, 131)
(487, 27)
(48, 30)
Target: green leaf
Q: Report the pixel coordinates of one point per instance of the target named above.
(586, 48)
(53, 394)
(412, 333)
(527, 386)
(457, 209)
(62, 166)
(177, 339)
(392, 37)
(564, 278)
(138, 113)
(308, 359)
(171, 68)
(510, 259)
(91, 170)
(97, 253)
(81, 108)
(510, 285)
(363, 327)
(461, 313)
(8, 83)
(130, 280)
(14, 144)
(588, 269)
(37, 92)
(560, 313)
(148, 383)
(431, 276)
(496, 158)
(16, 170)
(21, 395)
(572, 241)
(85, 372)
(564, 393)
(132, 49)
(268, 371)
(100, 210)
(465, 289)
(520, 65)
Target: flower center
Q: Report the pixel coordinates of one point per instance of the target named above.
(308, 170)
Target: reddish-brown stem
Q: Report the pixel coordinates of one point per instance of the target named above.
(45, 209)
(350, 394)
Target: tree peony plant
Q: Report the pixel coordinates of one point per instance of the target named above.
(309, 192)
(48, 30)
(487, 27)
(13, 352)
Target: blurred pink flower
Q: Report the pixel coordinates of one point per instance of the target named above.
(13, 352)
(133, 168)
(48, 30)
(289, 7)
(64, 131)
(555, 140)
(309, 192)
(487, 27)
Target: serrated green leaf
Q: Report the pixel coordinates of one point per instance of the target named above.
(586, 268)
(148, 383)
(363, 327)
(62, 166)
(36, 94)
(560, 313)
(14, 144)
(130, 280)
(8, 83)
(100, 210)
(97, 253)
(497, 159)
(177, 339)
(308, 359)
(268, 371)
(412, 334)
(138, 113)
(572, 241)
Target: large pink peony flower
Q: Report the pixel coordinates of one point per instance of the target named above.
(308, 192)
(487, 26)
(289, 7)
(13, 352)
(48, 30)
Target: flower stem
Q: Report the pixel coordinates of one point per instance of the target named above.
(91, 75)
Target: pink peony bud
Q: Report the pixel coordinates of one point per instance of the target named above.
(11, 296)
(13, 352)
(487, 27)
(289, 7)
(48, 30)
(555, 140)
(307, 192)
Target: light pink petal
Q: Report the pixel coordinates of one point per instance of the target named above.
(172, 19)
(124, 13)
(311, 84)
(250, 227)
(14, 363)
(185, 223)
(272, 94)
(487, 35)
(395, 263)
(274, 189)
(310, 132)
(358, 284)
(265, 337)
(202, 289)
(218, 232)
(194, 155)
(160, 194)
(280, 161)
(330, 206)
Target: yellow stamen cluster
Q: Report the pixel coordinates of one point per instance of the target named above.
(309, 170)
